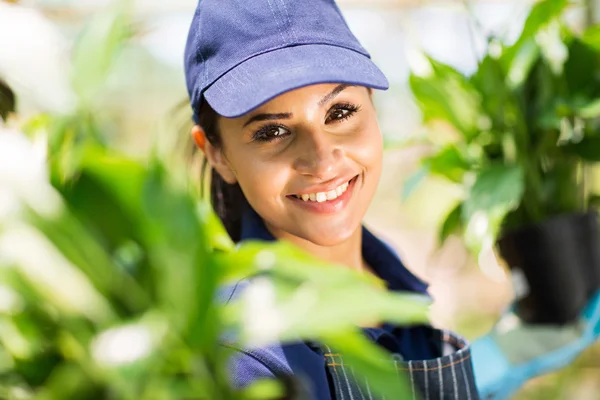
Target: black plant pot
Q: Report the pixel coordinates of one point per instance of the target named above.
(556, 266)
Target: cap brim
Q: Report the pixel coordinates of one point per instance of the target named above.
(266, 76)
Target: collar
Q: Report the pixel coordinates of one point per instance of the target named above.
(382, 259)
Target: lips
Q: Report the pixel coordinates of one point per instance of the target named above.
(324, 195)
(321, 197)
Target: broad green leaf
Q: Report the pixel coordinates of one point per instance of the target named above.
(542, 13)
(120, 176)
(588, 149)
(519, 58)
(581, 69)
(302, 296)
(178, 250)
(521, 63)
(448, 163)
(497, 186)
(591, 36)
(264, 390)
(217, 235)
(490, 81)
(497, 190)
(447, 95)
(590, 110)
(53, 277)
(451, 223)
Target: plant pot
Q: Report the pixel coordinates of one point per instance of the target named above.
(555, 266)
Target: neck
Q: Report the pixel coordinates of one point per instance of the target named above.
(347, 253)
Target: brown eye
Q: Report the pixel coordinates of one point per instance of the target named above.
(271, 132)
(341, 112)
(338, 114)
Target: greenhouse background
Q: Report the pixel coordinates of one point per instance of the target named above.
(142, 99)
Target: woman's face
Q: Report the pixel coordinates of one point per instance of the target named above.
(308, 161)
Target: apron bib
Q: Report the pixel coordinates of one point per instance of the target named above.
(449, 377)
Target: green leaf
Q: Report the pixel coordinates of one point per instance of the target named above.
(498, 186)
(588, 149)
(590, 110)
(448, 163)
(217, 235)
(518, 58)
(591, 37)
(489, 79)
(451, 224)
(447, 95)
(542, 13)
(497, 190)
(521, 62)
(581, 69)
(305, 292)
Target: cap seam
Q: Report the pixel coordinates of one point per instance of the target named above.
(278, 22)
(279, 48)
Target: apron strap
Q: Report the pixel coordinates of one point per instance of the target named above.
(449, 377)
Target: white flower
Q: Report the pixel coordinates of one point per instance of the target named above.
(418, 62)
(495, 49)
(11, 302)
(33, 59)
(480, 223)
(24, 175)
(265, 259)
(63, 285)
(553, 48)
(124, 345)
(262, 320)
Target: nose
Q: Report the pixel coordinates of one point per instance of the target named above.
(318, 156)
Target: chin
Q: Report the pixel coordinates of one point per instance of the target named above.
(327, 236)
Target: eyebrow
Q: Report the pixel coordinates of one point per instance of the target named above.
(268, 117)
(337, 90)
(271, 117)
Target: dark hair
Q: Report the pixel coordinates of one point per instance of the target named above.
(227, 200)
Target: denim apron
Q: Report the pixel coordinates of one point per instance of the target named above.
(449, 377)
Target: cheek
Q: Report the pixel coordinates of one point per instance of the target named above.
(367, 147)
(263, 182)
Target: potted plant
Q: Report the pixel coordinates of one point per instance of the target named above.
(527, 123)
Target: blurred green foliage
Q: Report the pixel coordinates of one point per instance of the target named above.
(527, 125)
(110, 269)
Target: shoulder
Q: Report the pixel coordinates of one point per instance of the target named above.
(278, 360)
(386, 263)
(231, 291)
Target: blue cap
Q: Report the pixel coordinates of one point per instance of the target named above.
(241, 54)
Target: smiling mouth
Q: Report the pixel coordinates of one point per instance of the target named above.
(321, 197)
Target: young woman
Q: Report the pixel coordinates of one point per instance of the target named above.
(282, 96)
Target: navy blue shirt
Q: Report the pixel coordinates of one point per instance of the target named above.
(304, 361)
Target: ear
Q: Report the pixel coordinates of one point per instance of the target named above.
(199, 136)
(214, 155)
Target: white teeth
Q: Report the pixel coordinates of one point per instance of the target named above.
(321, 197)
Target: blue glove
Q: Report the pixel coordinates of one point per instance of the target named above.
(508, 356)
